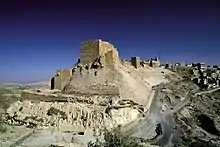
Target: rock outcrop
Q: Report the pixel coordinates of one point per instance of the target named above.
(72, 117)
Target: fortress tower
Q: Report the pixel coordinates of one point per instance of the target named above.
(92, 49)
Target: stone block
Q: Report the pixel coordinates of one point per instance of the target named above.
(135, 62)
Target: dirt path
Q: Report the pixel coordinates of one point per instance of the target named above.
(145, 127)
(14, 136)
(187, 101)
(19, 142)
(208, 91)
(179, 106)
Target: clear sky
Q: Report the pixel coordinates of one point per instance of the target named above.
(39, 36)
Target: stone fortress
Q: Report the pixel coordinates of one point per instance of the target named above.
(95, 52)
(90, 51)
(100, 90)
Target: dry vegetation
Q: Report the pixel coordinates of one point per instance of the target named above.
(115, 138)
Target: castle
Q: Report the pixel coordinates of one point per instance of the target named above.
(94, 54)
(100, 90)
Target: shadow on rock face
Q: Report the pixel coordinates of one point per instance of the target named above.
(201, 143)
(207, 124)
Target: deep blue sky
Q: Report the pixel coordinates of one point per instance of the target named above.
(39, 36)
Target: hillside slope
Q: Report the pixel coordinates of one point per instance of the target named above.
(126, 81)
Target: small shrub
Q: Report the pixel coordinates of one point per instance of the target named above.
(55, 111)
(115, 138)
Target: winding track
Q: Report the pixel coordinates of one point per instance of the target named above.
(145, 127)
(208, 91)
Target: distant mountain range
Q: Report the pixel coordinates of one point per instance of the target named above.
(37, 83)
(9, 84)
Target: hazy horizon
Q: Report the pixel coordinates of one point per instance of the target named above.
(39, 37)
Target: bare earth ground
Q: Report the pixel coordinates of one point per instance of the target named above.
(188, 117)
(200, 121)
(13, 135)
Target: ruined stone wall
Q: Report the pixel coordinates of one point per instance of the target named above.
(66, 75)
(105, 47)
(126, 62)
(135, 62)
(115, 56)
(111, 57)
(154, 63)
(57, 81)
(102, 83)
(109, 53)
(61, 78)
(89, 51)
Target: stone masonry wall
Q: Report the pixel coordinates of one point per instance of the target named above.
(61, 78)
(66, 75)
(105, 47)
(111, 57)
(115, 56)
(89, 51)
(135, 62)
(57, 80)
